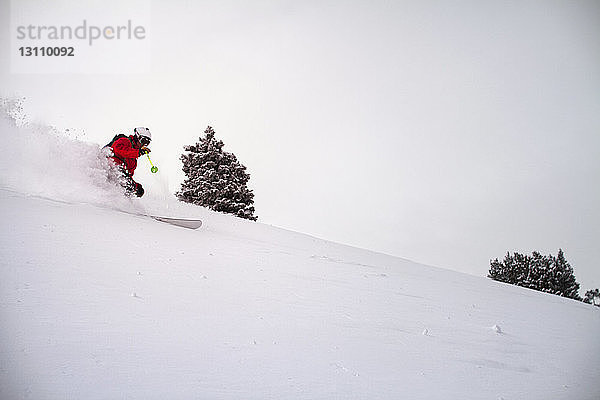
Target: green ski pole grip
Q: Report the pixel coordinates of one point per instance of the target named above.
(153, 169)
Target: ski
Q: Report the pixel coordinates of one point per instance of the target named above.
(190, 223)
(182, 222)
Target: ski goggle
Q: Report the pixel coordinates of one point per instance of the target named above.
(144, 140)
(143, 135)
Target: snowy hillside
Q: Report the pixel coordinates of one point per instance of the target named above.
(99, 303)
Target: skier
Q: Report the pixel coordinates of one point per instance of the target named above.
(125, 152)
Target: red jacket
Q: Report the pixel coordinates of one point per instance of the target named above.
(126, 152)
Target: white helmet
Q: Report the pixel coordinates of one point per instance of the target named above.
(143, 135)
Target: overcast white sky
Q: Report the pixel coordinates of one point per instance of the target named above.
(443, 132)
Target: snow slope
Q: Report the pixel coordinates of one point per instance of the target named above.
(99, 303)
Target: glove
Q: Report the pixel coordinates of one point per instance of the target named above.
(139, 190)
(144, 150)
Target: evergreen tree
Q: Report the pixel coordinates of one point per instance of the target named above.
(562, 280)
(544, 273)
(215, 178)
(591, 296)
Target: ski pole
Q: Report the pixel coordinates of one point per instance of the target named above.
(153, 169)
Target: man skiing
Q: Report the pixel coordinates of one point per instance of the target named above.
(125, 152)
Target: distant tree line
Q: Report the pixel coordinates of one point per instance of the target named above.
(543, 273)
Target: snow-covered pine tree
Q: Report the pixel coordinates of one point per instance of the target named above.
(562, 280)
(215, 178)
(591, 296)
(513, 269)
(544, 273)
